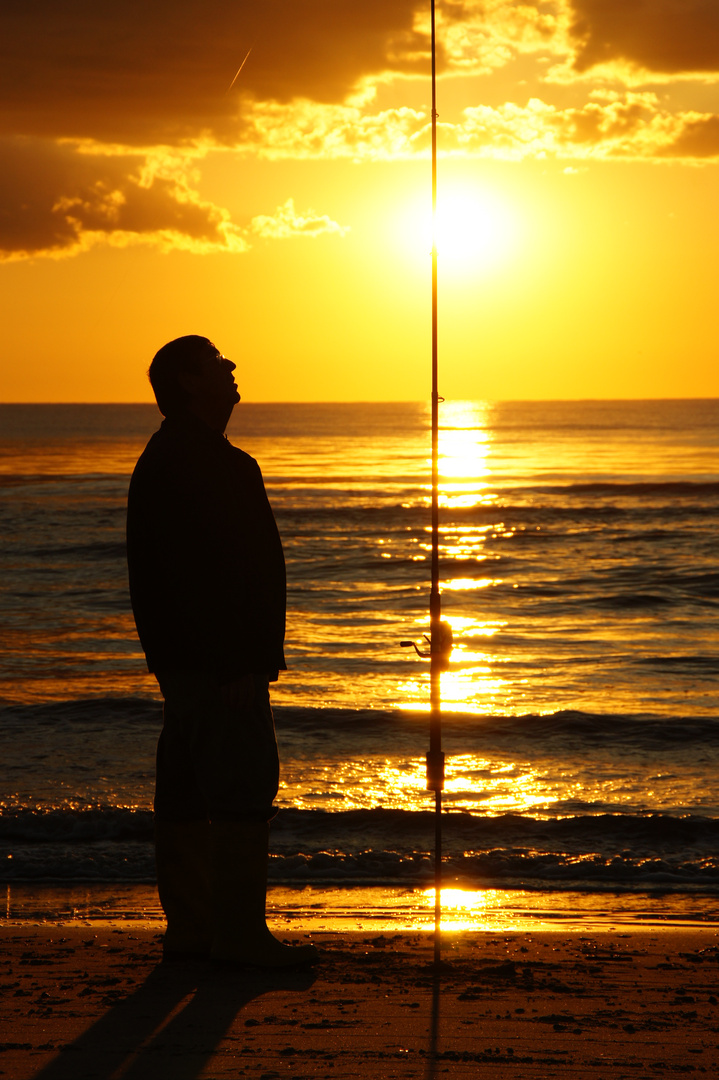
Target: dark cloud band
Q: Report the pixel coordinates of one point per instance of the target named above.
(147, 72)
(53, 198)
(661, 36)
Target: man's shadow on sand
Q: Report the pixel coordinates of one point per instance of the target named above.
(169, 1026)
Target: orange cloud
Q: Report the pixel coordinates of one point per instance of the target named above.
(308, 129)
(698, 138)
(287, 222)
(631, 126)
(669, 37)
(55, 201)
(148, 72)
(612, 125)
(155, 72)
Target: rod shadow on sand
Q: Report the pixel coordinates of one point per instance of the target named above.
(433, 1050)
(170, 1026)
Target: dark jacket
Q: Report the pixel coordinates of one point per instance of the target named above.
(207, 573)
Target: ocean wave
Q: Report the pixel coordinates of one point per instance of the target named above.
(128, 864)
(98, 549)
(643, 487)
(406, 482)
(584, 728)
(390, 847)
(85, 710)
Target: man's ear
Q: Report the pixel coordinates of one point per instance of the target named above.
(188, 380)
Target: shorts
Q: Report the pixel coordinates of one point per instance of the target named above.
(214, 760)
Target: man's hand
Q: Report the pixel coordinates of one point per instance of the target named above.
(240, 693)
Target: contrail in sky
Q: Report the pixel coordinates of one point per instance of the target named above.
(239, 69)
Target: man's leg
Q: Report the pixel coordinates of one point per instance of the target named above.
(244, 784)
(227, 744)
(182, 827)
(182, 862)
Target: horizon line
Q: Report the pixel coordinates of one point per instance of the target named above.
(388, 401)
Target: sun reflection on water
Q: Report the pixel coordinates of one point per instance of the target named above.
(474, 688)
(476, 784)
(465, 444)
(470, 583)
(495, 909)
(462, 909)
(474, 683)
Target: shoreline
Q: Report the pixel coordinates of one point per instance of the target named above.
(361, 908)
(93, 1002)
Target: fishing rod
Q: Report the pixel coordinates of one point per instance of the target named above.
(440, 633)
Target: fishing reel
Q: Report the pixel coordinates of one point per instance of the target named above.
(442, 649)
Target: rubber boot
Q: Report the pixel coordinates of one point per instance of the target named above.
(182, 860)
(240, 853)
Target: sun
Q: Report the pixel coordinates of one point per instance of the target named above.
(476, 227)
(473, 227)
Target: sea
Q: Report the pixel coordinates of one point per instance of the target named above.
(579, 567)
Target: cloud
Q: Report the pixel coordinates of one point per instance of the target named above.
(94, 94)
(479, 36)
(286, 222)
(630, 127)
(56, 201)
(665, 37)
(698, 138)
(629, 40)
(157, 72)
(308, 129)
(146, 72)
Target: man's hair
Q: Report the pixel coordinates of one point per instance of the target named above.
(182, 354)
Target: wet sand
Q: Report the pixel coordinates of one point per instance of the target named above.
(93, 1002)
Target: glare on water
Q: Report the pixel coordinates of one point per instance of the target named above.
(473, 783)
(530, 562)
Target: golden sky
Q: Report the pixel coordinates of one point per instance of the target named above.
(144, 195)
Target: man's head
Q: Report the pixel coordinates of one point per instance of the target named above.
(190, 375)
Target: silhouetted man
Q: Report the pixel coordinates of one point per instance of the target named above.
(207, 581)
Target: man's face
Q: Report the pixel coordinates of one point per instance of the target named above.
(212, 383)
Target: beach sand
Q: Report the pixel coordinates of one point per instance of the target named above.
(93, 1001)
